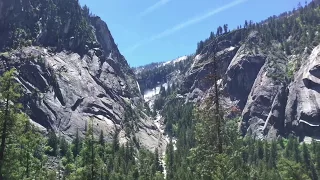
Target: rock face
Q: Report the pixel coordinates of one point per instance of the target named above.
(256, 81)
(242, 72)
(264, 109)
(302, 109)
(256, 85)
(65, 91)
(76, 75)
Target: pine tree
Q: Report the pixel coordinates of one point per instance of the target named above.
(53, 143)
(225, 27)
(273, 155)
(157, 165)
(216, 100)
(64, 146)
(307, 162)
(90, 159)
(266, 152)
(291, 170)
(115, 142)
(170, 161)
(101, 138)
(296, 150)
(76, 144)
(9, 94)
(68, 162)
(92, 150)
(209, 132)
(288, 150)
(317, 155)
(31, 145)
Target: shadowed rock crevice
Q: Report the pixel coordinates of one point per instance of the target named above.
(58, 93)
(98, 110)
(40, 116)
(241, 76)
(77, 104)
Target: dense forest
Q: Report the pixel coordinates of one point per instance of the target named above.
(209, 145)
(27, 155)
(196, 154)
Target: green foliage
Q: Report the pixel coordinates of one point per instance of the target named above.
(192, 152)
(296, 31)
(290, 69)
(53, 142)
(63, 146)
(27, 152)
(49, 23)
(22, 147)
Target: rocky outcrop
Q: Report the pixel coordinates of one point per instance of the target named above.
(196, 80)
(71, 71)
(64, 91)
(303, 110)
(257, 84)
(243, 70)
(263, 114)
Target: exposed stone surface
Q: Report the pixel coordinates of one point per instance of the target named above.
(196, 79)
(243, 70)
(303, 110)
(71, 70)
(265, 106)
(65, 91)
(255, 83)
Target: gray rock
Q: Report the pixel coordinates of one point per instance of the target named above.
(197, 76)
(242, 72)
(65, 92)
(303, 110)
(265, 102)
(76, 72)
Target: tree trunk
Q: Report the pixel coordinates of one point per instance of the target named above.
(92, 152)
(27, 169)
(216, 99)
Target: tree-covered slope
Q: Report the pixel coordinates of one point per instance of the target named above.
(264, 70)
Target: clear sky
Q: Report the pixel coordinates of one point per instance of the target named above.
(160, 30)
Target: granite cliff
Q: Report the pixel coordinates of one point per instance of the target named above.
(71, 71)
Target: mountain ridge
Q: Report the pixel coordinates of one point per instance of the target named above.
(257, 70)
(71, 70)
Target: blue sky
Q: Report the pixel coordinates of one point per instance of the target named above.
(160, 30)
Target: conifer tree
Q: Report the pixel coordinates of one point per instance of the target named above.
(157, 165)
(170, 160)
(76, 144)
(273, 155)
(9, 94)
(53, 142)
(308, 162)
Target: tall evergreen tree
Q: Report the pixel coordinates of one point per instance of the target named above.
(9, 95)
(76, 144)
(170, 160)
